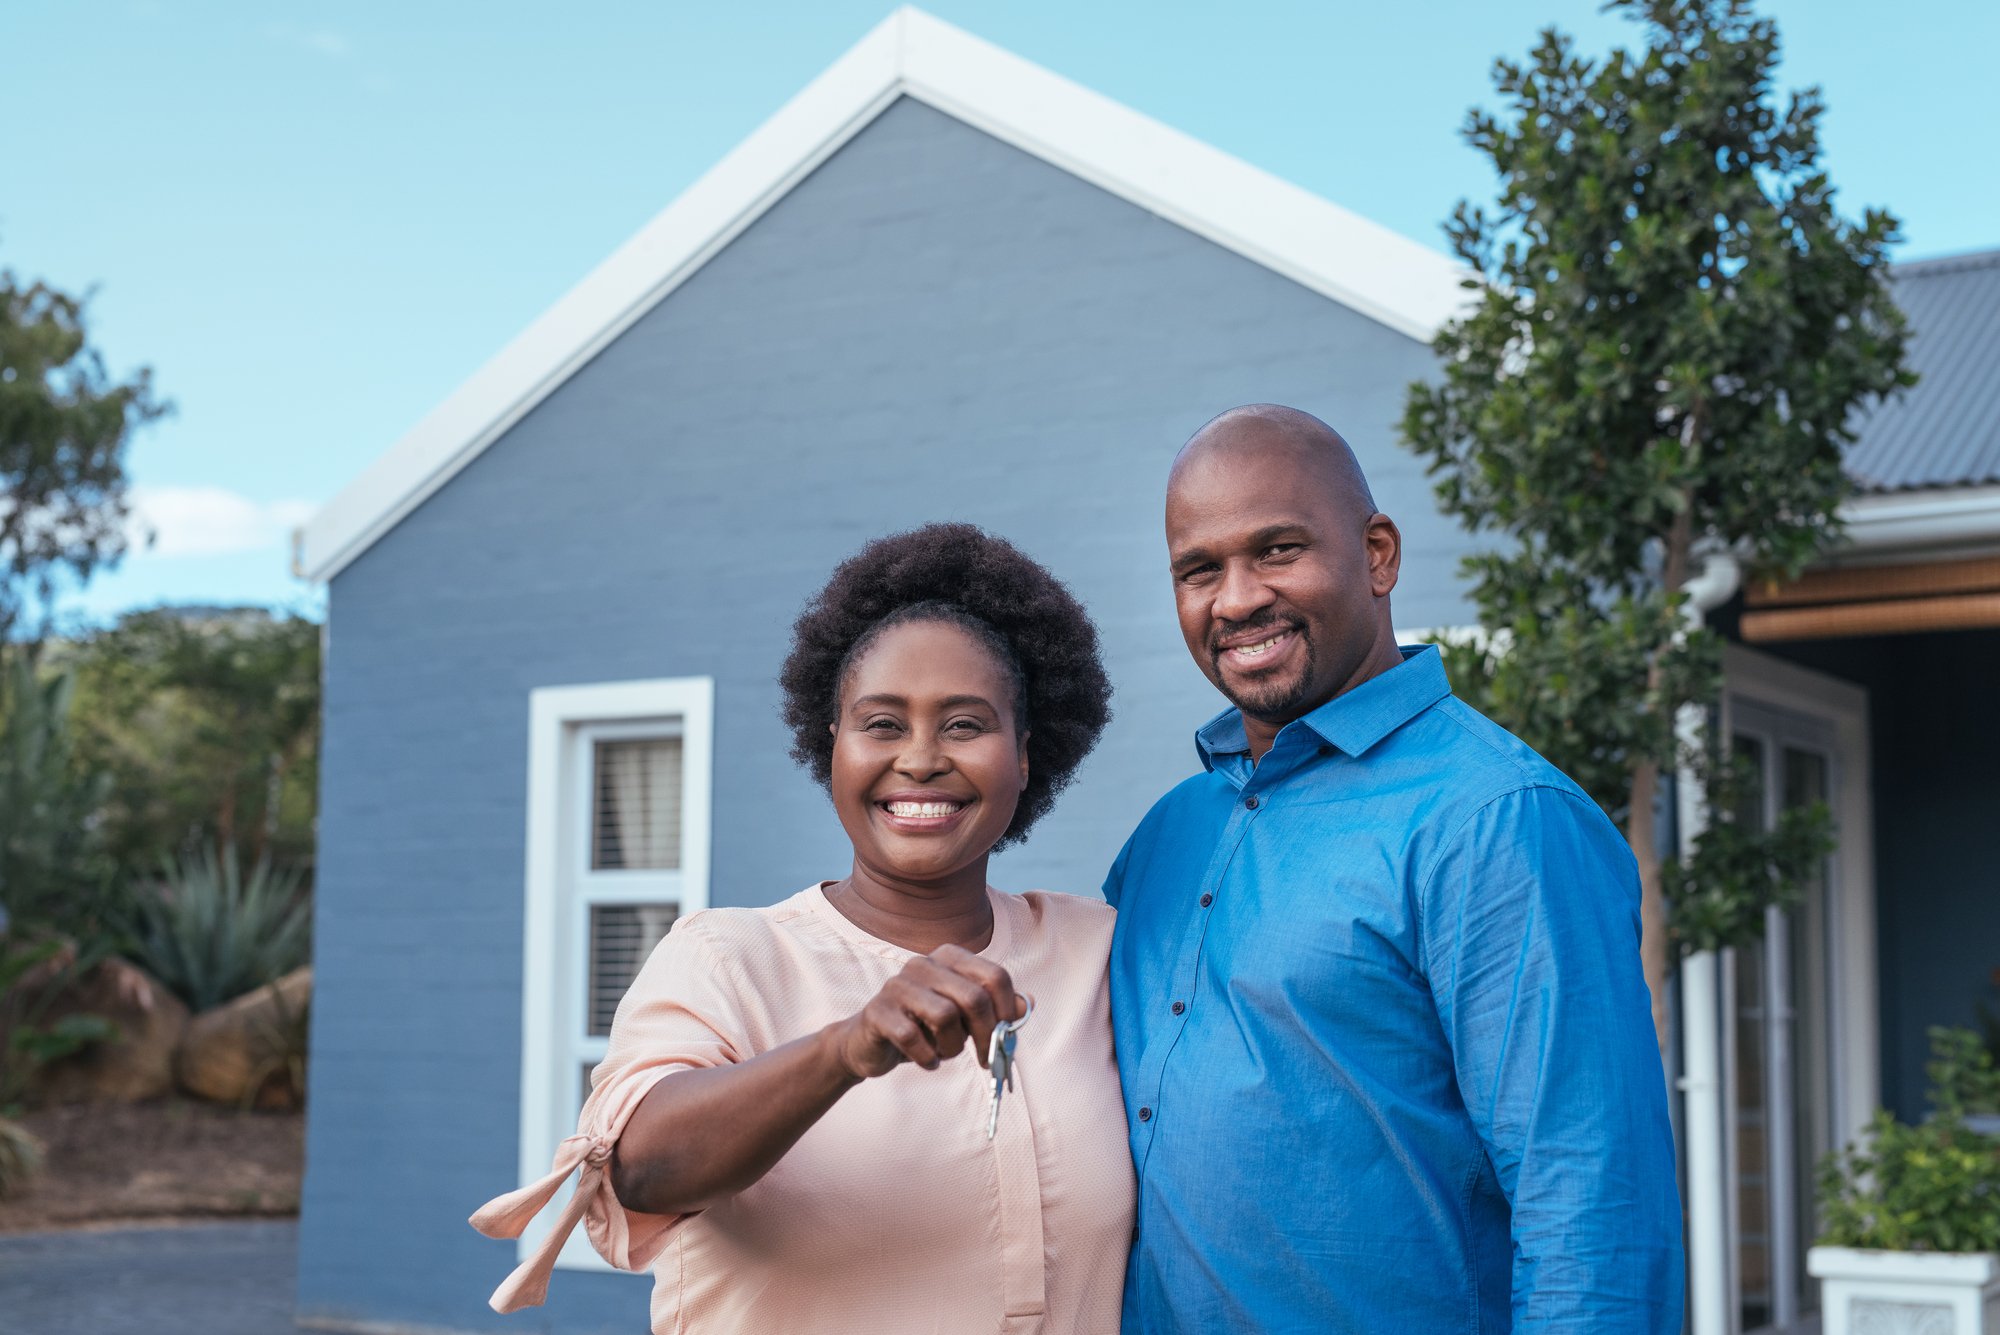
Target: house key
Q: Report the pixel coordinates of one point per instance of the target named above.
(1000, 1062)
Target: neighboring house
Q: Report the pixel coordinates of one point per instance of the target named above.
(939, 284)
(1873, 683)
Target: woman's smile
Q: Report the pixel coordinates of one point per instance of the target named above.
(923, 813)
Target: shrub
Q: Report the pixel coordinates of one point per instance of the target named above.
(20, 1156)
(33, 975)
(1934, 1187)
(1963, 1076)
(211, 935)
(1928, 1188)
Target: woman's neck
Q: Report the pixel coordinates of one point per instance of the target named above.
(917, 915)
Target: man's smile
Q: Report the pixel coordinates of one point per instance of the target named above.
(1260, 650)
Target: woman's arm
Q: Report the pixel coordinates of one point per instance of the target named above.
(700, 1136)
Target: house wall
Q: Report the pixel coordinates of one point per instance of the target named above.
(932, 326)
(1935, 732)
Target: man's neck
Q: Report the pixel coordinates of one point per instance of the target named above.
(1262, 732)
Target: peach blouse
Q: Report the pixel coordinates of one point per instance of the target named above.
(894, 1213)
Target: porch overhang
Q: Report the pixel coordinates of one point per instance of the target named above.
(1912, 562)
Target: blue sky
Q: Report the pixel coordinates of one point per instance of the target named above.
(314, 220)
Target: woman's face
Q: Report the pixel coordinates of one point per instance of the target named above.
(927, 763)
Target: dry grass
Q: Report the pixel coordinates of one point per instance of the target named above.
(158, 1161)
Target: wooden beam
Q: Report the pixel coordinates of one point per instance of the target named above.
(1897, 616)
(1925, 579)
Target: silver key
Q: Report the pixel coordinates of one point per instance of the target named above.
(1000, 1063)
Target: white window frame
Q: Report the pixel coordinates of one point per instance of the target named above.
(563, 724)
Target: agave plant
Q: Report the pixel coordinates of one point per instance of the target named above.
(211, 934)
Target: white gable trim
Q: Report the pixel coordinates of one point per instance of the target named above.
(1319, 245)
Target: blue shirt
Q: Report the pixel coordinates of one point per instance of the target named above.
(1386, 1045)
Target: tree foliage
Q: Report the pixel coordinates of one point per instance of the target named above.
(55, 872)
(205, 726)
(1673, 336)
(64, 426)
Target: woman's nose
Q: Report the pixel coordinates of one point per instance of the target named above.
(921, 759)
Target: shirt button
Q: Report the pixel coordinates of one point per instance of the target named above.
(1179, 1006)
(1145, 1114)
(1250, 802)
(1326, 750)
(1206, 900)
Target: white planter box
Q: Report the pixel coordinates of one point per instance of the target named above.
(1907, 1293)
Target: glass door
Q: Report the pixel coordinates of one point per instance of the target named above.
(1779, 1053)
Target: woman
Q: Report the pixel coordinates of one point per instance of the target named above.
(791, 1124)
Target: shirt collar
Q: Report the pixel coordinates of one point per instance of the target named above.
(1353, 721)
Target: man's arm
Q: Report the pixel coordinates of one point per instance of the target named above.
(1531, 941)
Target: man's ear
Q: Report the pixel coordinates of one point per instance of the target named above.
(1385, 554)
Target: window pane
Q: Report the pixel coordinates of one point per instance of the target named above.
(621, 936)
(635, 805)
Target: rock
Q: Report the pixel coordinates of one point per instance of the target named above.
(139, 1063)
(250, 1049)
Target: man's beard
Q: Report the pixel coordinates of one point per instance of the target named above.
(1273, 701)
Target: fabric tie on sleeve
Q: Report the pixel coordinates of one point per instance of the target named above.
(508, 1216)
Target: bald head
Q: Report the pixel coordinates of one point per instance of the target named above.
(1240, 434)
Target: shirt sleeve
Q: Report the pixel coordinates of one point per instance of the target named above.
(681, 1012)
(1114, 880)
(1531, 940)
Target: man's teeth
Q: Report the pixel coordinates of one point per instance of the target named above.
(1252, 650)
(923, 810)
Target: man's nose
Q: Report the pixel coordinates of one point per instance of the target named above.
(1241, 596)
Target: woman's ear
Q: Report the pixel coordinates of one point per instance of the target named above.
(1024, 760)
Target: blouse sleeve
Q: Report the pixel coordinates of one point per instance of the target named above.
(681, 1012)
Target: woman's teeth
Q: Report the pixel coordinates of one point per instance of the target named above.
(923, 810)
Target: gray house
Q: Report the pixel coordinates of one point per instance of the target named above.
(940, 283)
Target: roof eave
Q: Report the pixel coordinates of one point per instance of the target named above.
(1936, 521)
(1388, 277)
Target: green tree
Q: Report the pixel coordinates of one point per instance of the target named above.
(55, 873)
(64, 426)
(206, 728)
(1665, 359)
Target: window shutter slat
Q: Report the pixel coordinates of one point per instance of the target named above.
(621, 937)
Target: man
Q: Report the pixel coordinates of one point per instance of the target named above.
(1386, 1047)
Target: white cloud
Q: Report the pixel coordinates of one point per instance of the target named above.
(209, 521)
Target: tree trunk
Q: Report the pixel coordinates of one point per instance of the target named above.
(1642, 826)
(1642, 832)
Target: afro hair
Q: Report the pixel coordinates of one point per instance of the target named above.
(959, 574)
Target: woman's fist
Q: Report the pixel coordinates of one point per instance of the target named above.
(928, 1013)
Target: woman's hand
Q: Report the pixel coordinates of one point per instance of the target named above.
(927, 1013)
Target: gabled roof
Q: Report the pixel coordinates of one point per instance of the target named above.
(1388, 277)
(1946, 431)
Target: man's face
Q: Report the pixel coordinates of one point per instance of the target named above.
(1279, 576)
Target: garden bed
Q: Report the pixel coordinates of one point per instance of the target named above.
(166, 1160)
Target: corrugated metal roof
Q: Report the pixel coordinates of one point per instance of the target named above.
(1946, 431)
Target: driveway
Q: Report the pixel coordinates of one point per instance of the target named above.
(234, 1278)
